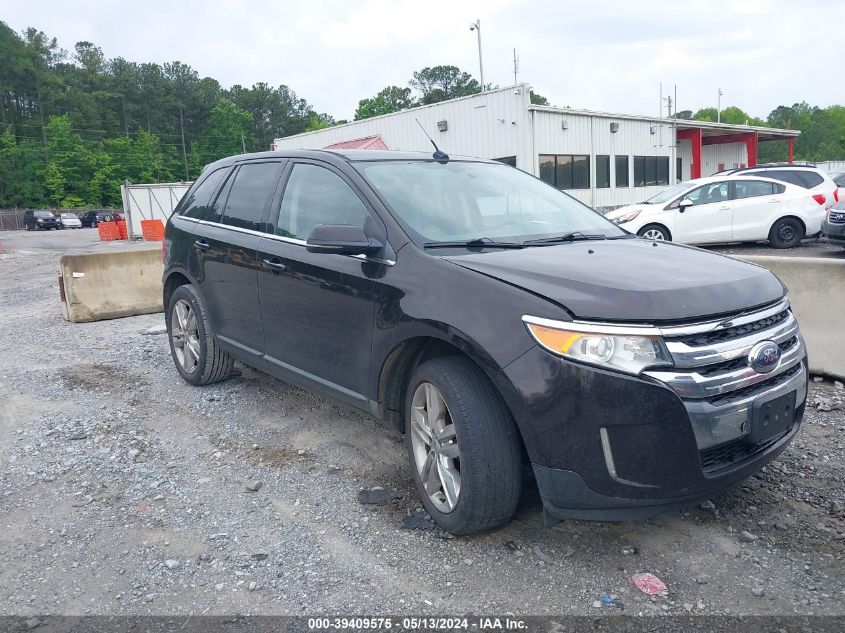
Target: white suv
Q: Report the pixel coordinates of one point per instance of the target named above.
(726, 209)
(806, 176)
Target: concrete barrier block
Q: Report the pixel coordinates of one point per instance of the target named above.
(817, 294)
(96, 286)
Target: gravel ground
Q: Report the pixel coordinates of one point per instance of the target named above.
(123, 490)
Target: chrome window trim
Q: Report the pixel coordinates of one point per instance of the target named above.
(289, 240)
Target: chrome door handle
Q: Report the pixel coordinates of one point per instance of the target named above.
(201, 245)
(274, 265)
(724, 208)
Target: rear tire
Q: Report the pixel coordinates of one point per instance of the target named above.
(473, 436)
(193, 346)
(655, 232)
(786, 233)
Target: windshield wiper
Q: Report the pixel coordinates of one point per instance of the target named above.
(574, 236)
(479, 242)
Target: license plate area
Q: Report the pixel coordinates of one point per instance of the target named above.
(771, 418)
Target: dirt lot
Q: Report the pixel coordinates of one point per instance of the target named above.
(124, 490)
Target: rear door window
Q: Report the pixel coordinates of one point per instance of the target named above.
(249, 195)
(753, 188)
(197, 201)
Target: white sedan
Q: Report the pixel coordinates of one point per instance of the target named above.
(69, 221)
(726, 209)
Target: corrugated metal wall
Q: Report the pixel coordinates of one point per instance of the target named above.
(500, 124)
(590, 134)
(490, 125)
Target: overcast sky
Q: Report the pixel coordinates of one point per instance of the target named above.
(604, 55)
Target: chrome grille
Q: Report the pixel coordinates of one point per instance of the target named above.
(836, 217)
(713, 377)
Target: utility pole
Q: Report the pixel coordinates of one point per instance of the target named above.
(184, 151)
(719, 107)
(515, 67)
(476, 26)
(243, 143)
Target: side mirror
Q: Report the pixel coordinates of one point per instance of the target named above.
(341, 239)
(685, 204)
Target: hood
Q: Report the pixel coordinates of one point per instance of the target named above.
(631, 279)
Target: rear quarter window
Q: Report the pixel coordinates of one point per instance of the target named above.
(197, 201)
(811, 179)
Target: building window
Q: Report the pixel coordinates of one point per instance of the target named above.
(602, 172)
(566, 171)
(679, 170)
(650, 171)
(622, 171)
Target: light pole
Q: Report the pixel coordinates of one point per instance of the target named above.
(719, 107)
(476, 26)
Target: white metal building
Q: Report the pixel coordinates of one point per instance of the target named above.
(606, 160)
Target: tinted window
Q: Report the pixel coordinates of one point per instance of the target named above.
(602, 172)
(566, 171)
(198, 199)
(314, 195)
(811, 179)
(250, 192)
(784, 175)
(621, 171)
(651, 170)
(753, 188)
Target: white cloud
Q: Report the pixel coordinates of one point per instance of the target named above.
(609, 55)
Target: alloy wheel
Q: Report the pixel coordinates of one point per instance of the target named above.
(654, 234)
(185, 337)
(434, 441)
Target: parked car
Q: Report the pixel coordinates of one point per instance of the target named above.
(37, 219)
(726, 209)
(90, 219)
(834, 224)
(492, 319)
(805, 175)
(69, 221)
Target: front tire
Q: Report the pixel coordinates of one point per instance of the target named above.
(464, 448)
(193, 346)
(786, 233)
(655, 232)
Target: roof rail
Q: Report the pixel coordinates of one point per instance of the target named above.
(793, 164)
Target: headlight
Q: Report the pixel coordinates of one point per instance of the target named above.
(629, 349)
(625, 217)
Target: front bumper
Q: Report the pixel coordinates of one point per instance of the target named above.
(609, 446)
(833, 232)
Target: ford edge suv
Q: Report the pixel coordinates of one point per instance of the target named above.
(496, 321)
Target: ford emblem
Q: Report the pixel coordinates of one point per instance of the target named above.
(764, 357)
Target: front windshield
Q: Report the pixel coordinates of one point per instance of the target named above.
(68, 216)
(671, 193)
(43, 214)
(462, 201)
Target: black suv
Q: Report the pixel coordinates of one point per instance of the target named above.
(90, 219)
(37, 219)
(493, 319)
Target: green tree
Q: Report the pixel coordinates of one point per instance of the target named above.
(441, 83)
(538, 99)
(390, 99)
(228, 128)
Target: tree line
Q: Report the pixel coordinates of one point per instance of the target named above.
(74, 124)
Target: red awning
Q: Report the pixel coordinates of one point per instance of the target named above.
(368, 142)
